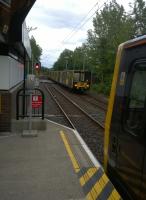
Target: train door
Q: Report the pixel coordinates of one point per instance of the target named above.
(143, 187)
(131, 149)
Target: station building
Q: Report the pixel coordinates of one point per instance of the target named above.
(15, 53)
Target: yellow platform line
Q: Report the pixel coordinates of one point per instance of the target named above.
(99, 185)
(70, 153)
(72, 158)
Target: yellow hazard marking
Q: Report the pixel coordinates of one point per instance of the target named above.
(90, 197)
(73, 159)
(70, 153)
(99, 186)
(114, 195)
(85, 178)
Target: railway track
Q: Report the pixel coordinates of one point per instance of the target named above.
(90, 129)
(52, 110)
(96, 102)
(70, 124)
(96, 109)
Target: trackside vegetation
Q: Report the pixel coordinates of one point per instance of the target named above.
(111, 26)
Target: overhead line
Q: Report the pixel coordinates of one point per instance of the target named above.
(80, 21)
(74, 32)
(84, 22)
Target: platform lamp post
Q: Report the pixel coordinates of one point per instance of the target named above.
(74, 61)
(29, 29)
(32, 63)
(66, 62)
(84, 59)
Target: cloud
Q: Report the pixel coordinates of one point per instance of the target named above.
(54, 21)
(57, 19)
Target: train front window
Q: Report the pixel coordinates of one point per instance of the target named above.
(76, 77)
(136, 102)
(82, 76)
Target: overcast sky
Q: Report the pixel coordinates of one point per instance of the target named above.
(55, 21)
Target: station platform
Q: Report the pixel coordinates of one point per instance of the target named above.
(55, 164)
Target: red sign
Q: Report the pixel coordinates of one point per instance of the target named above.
(36, 101)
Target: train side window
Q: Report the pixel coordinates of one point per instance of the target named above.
(134, 118)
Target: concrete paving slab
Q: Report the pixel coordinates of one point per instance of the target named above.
(56, 165)
(37, 168)
(31, 133)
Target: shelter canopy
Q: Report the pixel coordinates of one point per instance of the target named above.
(12, 15)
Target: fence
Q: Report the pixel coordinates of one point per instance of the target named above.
(29, 102)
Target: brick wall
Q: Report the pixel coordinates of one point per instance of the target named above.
(5, 114)
(7, 108)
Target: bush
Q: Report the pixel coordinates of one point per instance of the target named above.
(103, 87)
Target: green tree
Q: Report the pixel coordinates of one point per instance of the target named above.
(64, 61)
(80, 58)
(44, 70)
(77, 59)
(111, 27)
(139, 17)
(36, 50)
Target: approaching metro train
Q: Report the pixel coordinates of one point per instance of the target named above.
(74, 79)
(125, 127)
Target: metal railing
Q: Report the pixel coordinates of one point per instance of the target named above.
(29, 102)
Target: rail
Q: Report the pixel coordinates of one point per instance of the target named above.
(89, 129)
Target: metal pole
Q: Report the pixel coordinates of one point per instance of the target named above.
(74, 64)
(24, 85)
(30, 113)
(66, 64)
(84, 62)
(32, 63)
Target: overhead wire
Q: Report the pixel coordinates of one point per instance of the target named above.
(81, 21)
(79, 28)
(80, 24)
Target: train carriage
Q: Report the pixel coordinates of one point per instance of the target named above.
(74, 79)
(125, 127)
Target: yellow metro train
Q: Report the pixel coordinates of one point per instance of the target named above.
(73, 79)
(125, 127)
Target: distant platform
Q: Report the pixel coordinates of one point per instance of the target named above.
(45, 81)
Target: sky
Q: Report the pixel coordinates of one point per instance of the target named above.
(62, 24)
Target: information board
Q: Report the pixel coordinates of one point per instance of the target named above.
(36, 101)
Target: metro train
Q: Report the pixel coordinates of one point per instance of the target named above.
(74, 79)
(125, 127)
